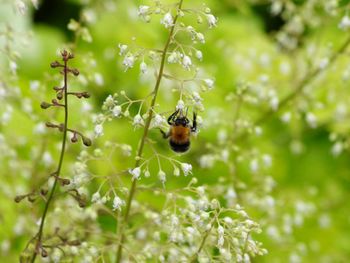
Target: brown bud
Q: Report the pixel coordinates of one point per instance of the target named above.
(44, 105)
(74, 138)
(43, 191)
(59, 95)
(55, 64)
(31, 198)
(86, 141)
(44, 253)
(50, 125)
(75, 72)
(65, 181)
(71, 55)
(85, 95)
(19, 198)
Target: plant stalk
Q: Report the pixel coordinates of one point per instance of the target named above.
(39, 235)
(144, 137)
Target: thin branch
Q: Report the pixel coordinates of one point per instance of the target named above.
(39, 235)
(144, 137)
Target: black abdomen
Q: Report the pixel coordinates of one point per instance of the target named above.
(179, 147)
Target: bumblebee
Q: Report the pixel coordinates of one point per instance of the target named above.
(180, 131)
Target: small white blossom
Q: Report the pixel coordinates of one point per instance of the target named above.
(186, 168)
(143, 10)
(337, 149)
(212, 20)
(138, 120)
(167, 20)
(180, 105)
(122, 49)
(117, 111)
(162, 176)
(128, 61)
(136, 172)
(143, 67)
(209, 83)
(173, 58)
(311, 120)
(117, 203)
(267, 160)
(186, 62)
(34, 85)
(286, 117)
(96, 197)
(344, 23)
(98, 130)
(158, 120)
(13, 66)
(21, 7)
(254, 165)
(199, 55)
(98, 79)
(200, 37)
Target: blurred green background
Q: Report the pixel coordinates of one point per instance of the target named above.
(308, 218)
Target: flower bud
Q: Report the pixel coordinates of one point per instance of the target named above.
(44, 105)
(55, 64)
(86, 141)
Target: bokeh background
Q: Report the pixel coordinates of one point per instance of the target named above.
(291, 172)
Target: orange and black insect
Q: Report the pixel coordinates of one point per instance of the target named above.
(180, 131)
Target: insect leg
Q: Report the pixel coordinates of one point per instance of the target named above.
(194, 123)
(165, 134)
(172, 117)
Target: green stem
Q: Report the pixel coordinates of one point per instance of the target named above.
(39, 235)
(144, 137)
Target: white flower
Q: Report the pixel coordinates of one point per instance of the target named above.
(173, 58)
(337, 149)
(158, 120)
(128, 61)
(117, 203)
(136, 172)
(21, 7)
(344, 23)
(138, 120)
(34, 85)
(267, 160)
(98, 79)
(311, 120)
(186, 62)
(96, 197)
(212, 20)
(147, 174)
(254, 165)
(143, 10)
(13, 66)
(221, 230)
(143, 67)
(167, 20)
(122, 49)
(209, 83)
(180, 105)
(200, 38)
(286, 117)
(162, 176)
(274, 102)
(117, 111)
(199, 55)
(186, 168)
(98, 130)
